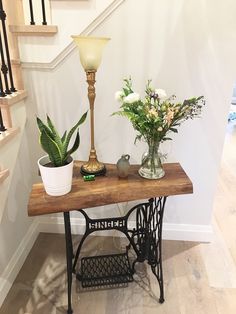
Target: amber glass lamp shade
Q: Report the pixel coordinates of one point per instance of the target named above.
(90, 50)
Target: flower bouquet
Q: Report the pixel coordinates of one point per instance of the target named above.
(154, 118)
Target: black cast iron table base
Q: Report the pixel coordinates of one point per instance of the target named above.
(145, 239)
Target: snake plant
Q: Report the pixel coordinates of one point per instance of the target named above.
(55, 146)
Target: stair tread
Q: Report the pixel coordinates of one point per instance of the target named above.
(8, 135)
(35, 30)
(10, 100)
(15, 62)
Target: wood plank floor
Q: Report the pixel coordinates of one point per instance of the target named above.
(199, 278)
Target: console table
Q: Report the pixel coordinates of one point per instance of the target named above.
(145, 238)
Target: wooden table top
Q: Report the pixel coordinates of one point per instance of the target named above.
(109, 189)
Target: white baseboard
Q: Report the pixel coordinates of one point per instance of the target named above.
(11, 271)
(190, 232)
(182, 232)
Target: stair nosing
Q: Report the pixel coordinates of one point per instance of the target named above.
(9, 134)
(14, 98)
(37, 30)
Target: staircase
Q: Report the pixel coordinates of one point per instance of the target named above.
(12, 106)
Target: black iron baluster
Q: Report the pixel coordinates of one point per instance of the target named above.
(2, 94)
(44, 13)
(4, 68)
(32, 22)
(3, 19)
(2, 127)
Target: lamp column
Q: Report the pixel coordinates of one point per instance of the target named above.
(93, 166)
(91, 96)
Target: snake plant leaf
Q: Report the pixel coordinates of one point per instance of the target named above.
(69, 135)
(56, 138)
(43, 127)
(51, 148)
(63, 137)
(52, 127)
(75, 146)
(55, 146)
(82, 119)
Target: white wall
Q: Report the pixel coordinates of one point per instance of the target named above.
(9, 151)
(188, 48)
(15, 222)
(17, 233)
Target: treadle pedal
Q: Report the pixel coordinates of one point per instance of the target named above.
(105, 270)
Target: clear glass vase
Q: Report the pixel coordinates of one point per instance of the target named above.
(151, 167)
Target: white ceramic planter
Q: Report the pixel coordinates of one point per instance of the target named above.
(57, 180)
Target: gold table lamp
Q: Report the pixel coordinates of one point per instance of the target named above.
(90, 50)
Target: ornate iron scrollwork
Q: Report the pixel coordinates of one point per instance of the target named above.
(145, 238)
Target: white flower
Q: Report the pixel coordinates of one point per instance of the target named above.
(131, 98)
(161, 93)
(160, 129)
(119, 95)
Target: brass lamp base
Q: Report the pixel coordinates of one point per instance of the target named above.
(84, 170)
(100, 172)
(93, 166)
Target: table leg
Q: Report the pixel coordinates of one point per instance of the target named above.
(148, 238)
(69, 257)
(155, 248)
(145, 239)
